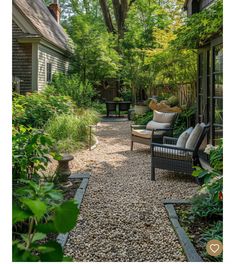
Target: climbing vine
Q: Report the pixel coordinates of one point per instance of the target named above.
(200, 27)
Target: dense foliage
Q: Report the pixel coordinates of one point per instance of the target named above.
(207, 204)
(38, 207)
(200, 27)
(35, 109)
(39, 210)
(82, 92)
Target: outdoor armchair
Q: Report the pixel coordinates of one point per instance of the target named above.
(161, 125)
(178, 154)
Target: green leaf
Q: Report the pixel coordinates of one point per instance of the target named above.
(66, 216)
(37, 207)
(55, 254)
(18, 215)
(19, 255)
(56, 195)
(38, 236)
(46, 228)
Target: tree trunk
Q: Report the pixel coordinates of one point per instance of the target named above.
(107, 16)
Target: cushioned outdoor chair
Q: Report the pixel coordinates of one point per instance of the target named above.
(161, 125)
(178, 154)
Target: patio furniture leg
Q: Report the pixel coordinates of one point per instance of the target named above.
(131, 145)
(153, 174)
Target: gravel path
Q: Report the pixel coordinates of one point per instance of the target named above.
(122, 217)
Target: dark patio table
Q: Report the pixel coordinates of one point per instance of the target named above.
(112, 106)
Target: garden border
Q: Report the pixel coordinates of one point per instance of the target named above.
(62, 238)
(188, 247)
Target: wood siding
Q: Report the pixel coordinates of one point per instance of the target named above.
(46, 55)
(21, 60)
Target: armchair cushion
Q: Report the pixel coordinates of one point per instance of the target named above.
(161, 117)
(144, 133)
(181, 142)
(155, 125)
(169, 153)
(194, 136)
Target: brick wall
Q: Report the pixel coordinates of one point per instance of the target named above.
(21, 60)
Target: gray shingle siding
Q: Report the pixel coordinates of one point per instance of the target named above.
(21, 60)
(46, 55)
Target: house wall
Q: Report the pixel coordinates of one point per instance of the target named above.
(21, 60)
(46, 55)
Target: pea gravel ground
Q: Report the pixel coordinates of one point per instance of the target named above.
(122, 217)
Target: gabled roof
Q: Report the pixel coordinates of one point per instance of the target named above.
(37, 13)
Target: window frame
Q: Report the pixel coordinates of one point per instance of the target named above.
(48, 80)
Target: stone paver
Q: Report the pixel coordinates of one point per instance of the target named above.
(122, 216)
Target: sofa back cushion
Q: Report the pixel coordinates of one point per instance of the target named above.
(194, 136)
(161, 117)
(156, 125)
(181, 142)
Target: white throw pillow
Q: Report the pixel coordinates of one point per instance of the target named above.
(195, 134)
(181, 142)
(163, 117)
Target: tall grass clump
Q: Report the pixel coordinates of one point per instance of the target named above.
(72, 132)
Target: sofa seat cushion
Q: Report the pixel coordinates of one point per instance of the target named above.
(181, 142)
(194, 136)
(172, 153)
(143, 133)
(161, 117)
(155, 125)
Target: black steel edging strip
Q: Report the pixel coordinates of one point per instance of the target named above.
(185, 242)
(62, 238)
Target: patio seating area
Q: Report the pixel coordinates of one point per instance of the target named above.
(122, 216)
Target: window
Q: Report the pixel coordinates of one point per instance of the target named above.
(48, 72)
(217, 102)
(210, 88)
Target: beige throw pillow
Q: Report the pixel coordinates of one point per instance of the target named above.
(155, 125)
(181, 142)
(195, 134)
(163, 117)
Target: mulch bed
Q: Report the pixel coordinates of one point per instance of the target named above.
(194, 229)
(69, 188)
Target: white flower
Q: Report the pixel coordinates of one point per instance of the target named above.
(209, 148)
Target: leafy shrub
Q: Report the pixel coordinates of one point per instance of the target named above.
(143, 119)
(71, 85)
(99, 107)
(205, 207)
(173, 101)
(118, 99)
(71, 131)
(35, 109)
(38, 207)
(38, 210)
(126, 94)
(30, 150)
(185, 119)
(208, 203)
